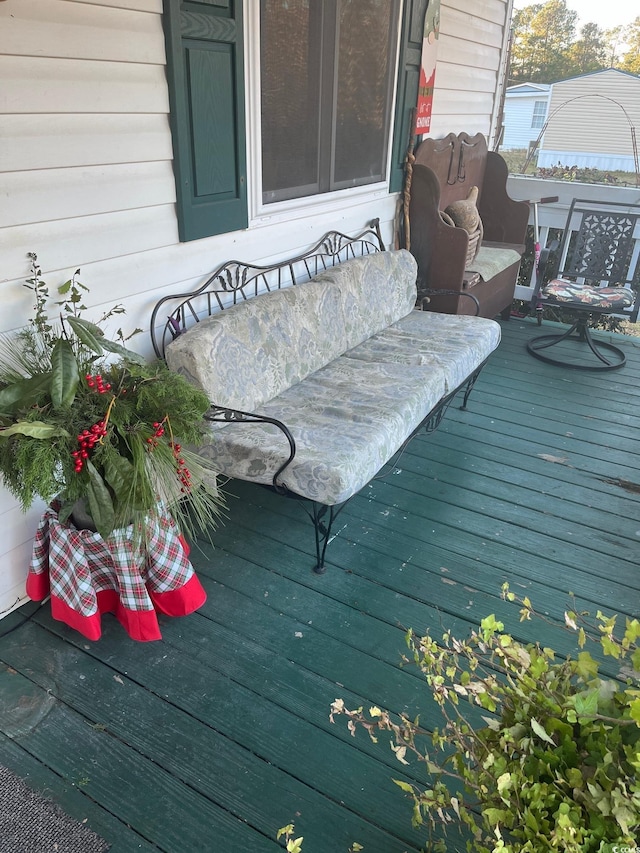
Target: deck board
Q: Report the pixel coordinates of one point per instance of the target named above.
(216, 736)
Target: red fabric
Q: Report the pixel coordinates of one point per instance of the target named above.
(180, 602)
(88, 576)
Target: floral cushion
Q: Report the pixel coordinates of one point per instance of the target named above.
(347, 420)
(343, 360)
(350, 417)
(253, 351)
(593, 297)
(456, 344)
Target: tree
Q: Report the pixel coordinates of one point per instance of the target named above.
(631, 59)
(545, 48)
(543, 36)
(589, 52)
(614, 40)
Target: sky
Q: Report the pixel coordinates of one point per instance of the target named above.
(604, 13)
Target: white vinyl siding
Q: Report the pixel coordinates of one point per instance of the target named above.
(87, 174)
(590, 120)
(520, 105)
(470, 67)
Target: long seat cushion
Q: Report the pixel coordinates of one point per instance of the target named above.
(351, 416)
(457, 344)
(252, 352)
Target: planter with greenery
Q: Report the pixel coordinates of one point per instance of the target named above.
(84, 418)
(548, 760)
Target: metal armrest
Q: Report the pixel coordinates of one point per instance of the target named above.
(435, 292)
(221, 414)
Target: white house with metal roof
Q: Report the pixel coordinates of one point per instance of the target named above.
(525, 112)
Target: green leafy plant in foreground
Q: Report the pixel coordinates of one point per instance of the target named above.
(535, 753)
(84, 417)
(294, 845)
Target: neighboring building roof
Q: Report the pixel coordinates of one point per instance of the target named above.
(528, 88)
(601, 71)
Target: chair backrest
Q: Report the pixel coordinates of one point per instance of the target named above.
(458, 162)
(601, 244)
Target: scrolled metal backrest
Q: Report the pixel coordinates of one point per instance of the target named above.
(236, 281)
(601, 244)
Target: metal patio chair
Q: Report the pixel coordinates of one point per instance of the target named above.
(598, 274)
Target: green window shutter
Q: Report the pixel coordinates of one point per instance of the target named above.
(408, 79)
(206, 91)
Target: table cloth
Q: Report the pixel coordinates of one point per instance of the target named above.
(88, 575)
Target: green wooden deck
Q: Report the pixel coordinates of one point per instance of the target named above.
(215, 737)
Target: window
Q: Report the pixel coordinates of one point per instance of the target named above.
(539, 114)
(327, 69)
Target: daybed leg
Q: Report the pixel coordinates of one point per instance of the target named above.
(322, 525)
(469, 388)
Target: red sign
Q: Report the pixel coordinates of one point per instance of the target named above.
(428, 67)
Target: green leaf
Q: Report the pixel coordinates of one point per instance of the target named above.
(34, 429)
(64, 288)
(23, 394)
(494, 816)
(575, 777)
(504, 782)
(490, 625)
(285, 830)
(100, 503)
(609, 647)
(112, 346)
(86, 334)
(586, 665)
(586, 704)
(119, 474)
(64, 374)
(539, 730)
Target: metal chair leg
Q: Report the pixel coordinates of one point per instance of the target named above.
(322, 517)
(582, 336)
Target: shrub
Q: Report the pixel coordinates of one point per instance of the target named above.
(550, 761)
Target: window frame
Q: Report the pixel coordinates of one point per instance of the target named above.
(263, 212)
(541, 115)
(245, 209)
(327, 28)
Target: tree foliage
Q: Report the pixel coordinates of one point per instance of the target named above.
(547, 46)
(631, 58)
(543, 35)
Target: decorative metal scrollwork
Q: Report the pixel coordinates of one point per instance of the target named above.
(236, 281)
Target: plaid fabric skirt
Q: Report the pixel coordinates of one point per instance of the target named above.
(87, 575)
